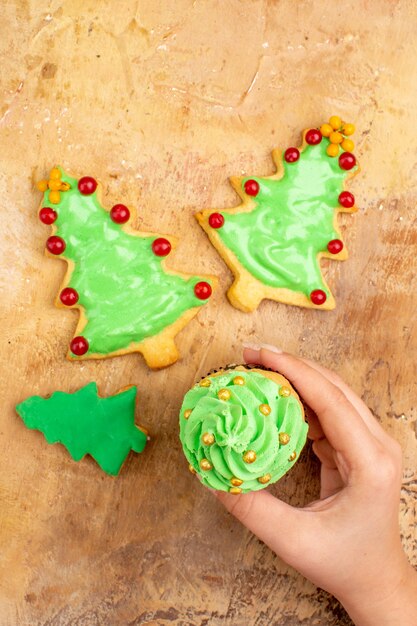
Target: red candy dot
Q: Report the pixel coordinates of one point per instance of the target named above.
(202, 290)
(79, 346)
(251, 187)
(55, 245)
(120, 214)
(335, 246)
(346, 199)
(69, 296)
(216, 220)
(87, 185)
(161, 247)
(47, 215)
(291, 155)
(318, 296)
(313, 136)
(347, 160)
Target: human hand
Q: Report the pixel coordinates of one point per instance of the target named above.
(348, 541)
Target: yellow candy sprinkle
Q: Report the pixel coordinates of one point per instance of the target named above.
(54, 197)
(336, 137)
(348, 145)
(332, 149)
(265, 409)
(249, 456)
(207, 439)
(65, 186)
(235, 490)
(205, 465)
(55, 173)
(42, 185)
(206, 382)
(348, 129)
(192, 470)
(236, 482)
(293, 456)
(335, 122)
(239, 380)
(326, 129)
(187, 413)
(54, 184)
(283, 438)
(284, 391)
(223, 394)
(264, 479)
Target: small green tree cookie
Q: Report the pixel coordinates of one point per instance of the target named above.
(85, 423)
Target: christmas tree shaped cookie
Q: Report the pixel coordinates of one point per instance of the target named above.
(274, 239)
(128, 300)
(85, 423)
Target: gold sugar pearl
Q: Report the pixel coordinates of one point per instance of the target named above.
(265, 409)
(284, 438)
(236, 482)
(249, 456)
(187, 413)
(264, 479)
(238, 380)
(284, 391)
(207, 439)
(235, 490)
(206, 382)
(223, 394)
(293, 456)
(191, 468)
(205, 465)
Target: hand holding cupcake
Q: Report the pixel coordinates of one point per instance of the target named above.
(242, 428)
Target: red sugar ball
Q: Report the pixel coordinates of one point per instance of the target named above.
(87, 185)
(69, 296)
(216, 220)
(55, 245)
(251, 187)
(47, 215)
(335, 246)
(119, 214)
(161, 246)
(79, 346)
(313, 136)
(202, 290)
(346, 199)
(347, 160)
(318, 296)
(291, 155)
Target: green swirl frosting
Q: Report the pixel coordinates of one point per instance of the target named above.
(238, 425)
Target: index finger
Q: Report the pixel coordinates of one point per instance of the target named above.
(342, 425)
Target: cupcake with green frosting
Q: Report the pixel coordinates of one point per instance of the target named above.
(242, 428)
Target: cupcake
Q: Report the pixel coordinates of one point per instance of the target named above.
(242, 428)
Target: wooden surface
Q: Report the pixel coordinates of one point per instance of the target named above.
(162, 101)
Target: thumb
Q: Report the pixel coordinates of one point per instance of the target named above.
(276, 523)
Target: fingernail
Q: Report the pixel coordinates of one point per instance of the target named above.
(267, 346)
(251, 346)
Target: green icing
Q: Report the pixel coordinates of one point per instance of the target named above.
(126, 294)
(293, 221)
(84, 423)
(238, 425)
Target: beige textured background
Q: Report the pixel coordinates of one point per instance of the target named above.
(162, 101)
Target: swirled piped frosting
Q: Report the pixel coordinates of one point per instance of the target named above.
(241, 430)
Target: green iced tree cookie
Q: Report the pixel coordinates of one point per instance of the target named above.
(127, 298)
(274, 240)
